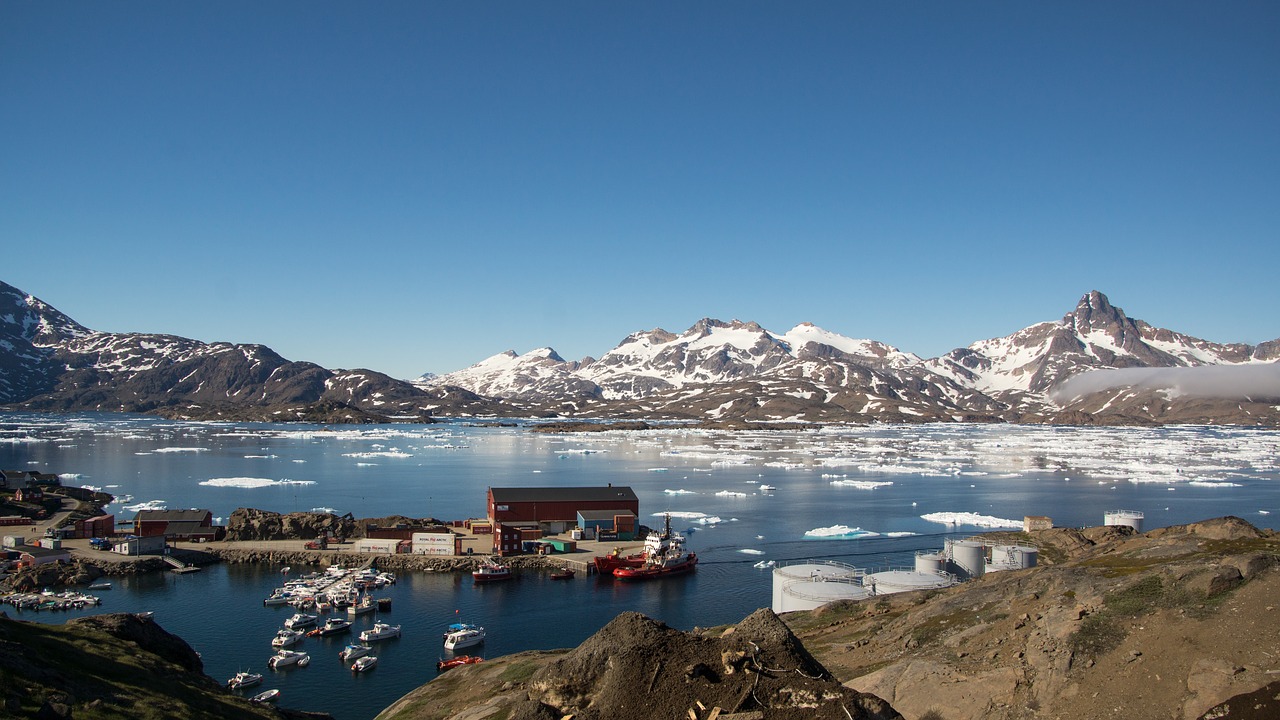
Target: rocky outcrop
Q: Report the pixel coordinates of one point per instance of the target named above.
(248, 524)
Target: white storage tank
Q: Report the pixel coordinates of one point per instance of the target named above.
(968, 558)
(807, 584)
(1012, 557)
(930, 562)
(1131, 518)
(897, 581)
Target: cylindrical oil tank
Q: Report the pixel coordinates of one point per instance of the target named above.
(896, 581)
(968, 558)
(1132, 518)
(810, 594)
(930, 562)
(808, 571)
(1012, 557)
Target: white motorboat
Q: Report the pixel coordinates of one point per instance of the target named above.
(380, 631)
(266, 696)
(286, 658)
(332, 626)
(364, 605)
(466, 637)
(368, 662)
(353, 651)
(286, 637)
(300, 620)
(244, 680)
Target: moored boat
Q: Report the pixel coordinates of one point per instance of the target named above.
(266, 696)
(465, 637)
(353, 651)
(614, 559)
(286, 637)
(364, 605)
(300, 620)
(332, 626)
(457, 662)
(491, 571)
(244, 680)
(368, 662)
(287, 658)
(565, 574)
(664, 556)
(380, 631)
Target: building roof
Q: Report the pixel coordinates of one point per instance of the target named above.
(610, 493)
(187, 527)
(603, 514)
(171, 515)
(36, 551)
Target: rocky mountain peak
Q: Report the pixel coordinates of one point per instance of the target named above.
(1095, 312)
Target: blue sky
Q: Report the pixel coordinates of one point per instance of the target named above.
(414, 186)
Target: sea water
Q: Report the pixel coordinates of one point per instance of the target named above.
(868, 496)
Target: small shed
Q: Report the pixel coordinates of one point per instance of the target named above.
(135, 545)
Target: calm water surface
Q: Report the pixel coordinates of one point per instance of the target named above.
(865, 489)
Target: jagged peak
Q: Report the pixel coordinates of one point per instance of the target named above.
(545, 353)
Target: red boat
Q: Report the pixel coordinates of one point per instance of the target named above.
(490, 571)
(565, 574)
(664, 555)
(457, 662)
(606, 564)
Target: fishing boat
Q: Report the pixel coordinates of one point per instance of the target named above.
(353, 651)
(332, 626)
(564, 574)
(466, 637)
(491, 571)
(244, 680)
(459, 661)
(664, 556)
(364, 605)
(287, 658)
(380, 631)
(286, 637)
(368, 662)
(266, 696)
(300, 620)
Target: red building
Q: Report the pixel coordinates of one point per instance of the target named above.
(176, 524)
(522, 514)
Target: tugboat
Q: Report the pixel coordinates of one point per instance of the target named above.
(664, 555)
(614, 559)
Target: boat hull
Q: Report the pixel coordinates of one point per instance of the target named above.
(655, 572)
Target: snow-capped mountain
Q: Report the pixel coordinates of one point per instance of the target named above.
(50, 362)
(718, 370)
(722, 372)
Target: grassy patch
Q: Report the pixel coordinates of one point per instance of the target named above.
(1104, 630)
(518, 672)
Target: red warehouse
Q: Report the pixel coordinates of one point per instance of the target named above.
(555, 509)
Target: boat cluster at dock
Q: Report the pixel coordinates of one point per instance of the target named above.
(49, 600)
(663, 555)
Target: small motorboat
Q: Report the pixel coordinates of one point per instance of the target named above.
(763, 564)
(564, 574)
(300, 620)
(466, 637)
(459, 661)
(332, 626)
(286, 658)
(285, 638)
(100, 586)
(266, 696)
(353, 651)
(380, 631)
(244, 680)
(368, 662)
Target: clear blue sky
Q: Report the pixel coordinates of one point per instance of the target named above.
(414, 186)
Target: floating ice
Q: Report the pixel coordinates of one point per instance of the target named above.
(251, 482)
(681, 491)
(839, 532)
(148, 505)
(862, 484)
(751, 551)
(968, 518)
(730, 493)
(687, 515)
(181, 450)
(657, 469)
(767, 488)
(899, 533)
(378, 454)
(1213, 484)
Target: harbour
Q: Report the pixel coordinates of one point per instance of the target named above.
(857, 496)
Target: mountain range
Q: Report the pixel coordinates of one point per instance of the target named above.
(1096, 365)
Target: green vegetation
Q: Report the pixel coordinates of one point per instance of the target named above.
(518, 672)
(1103, 631)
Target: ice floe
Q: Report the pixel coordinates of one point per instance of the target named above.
(148, 505)
(751, 551)
(252, 482)
(839, 532)
(969, 518)
(862, 484)
(681, 491)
